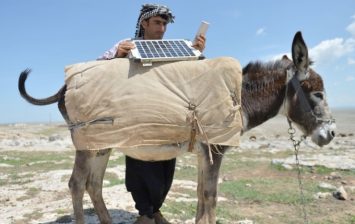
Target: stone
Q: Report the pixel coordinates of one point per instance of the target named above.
(321, 195)
(287, 166)
(327, 186)
(340, 194)
(245, 222)
(334, 176)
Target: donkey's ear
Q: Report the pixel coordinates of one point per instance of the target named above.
(300, 54)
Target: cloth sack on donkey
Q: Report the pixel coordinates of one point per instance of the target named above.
(120, 103)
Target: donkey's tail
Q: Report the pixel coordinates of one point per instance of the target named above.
(30, 99)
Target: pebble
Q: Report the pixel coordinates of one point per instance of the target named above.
(327, 186)
(245, 222)
(340, 194)
(320, 195)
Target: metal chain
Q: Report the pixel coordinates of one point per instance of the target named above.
(296, 146)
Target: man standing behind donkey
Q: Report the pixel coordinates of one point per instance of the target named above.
(149, 182)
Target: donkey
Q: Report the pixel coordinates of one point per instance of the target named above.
(288, 87)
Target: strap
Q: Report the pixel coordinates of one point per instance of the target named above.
(196, 128)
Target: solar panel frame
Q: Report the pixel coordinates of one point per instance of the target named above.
(148, 51)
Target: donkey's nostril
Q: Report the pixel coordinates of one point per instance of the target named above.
(332, 133)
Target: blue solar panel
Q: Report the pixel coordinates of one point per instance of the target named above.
(148, 51)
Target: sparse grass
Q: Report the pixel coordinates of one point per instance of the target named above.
(264, 190)
(120, 160)
(259, 190)
(32, 192)
(62, 211)
(278, 167)
(228, 211)
(351, 219)
(254, 188)
(17, 178)
(50, 130)
(35, 161)
(33, 215)
(180, 210)
(186, 173)
(113, 179)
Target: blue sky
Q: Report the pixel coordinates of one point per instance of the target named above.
(47, 35)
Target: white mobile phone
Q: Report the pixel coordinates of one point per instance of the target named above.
(202, 29)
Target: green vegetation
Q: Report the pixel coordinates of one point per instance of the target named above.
(116, 160)
(180, 210)
(251, 187)
(351, 219)
(36, 161)
(113, 179)
(263, 190)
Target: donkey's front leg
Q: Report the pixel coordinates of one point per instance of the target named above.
(207, 183)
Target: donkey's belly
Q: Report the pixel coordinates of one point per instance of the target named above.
(156, 153)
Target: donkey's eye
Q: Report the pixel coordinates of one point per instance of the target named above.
(319, 95)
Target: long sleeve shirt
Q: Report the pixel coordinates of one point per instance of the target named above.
(111, 53)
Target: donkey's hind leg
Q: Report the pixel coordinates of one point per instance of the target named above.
(94, 184)
(89, 169)
(207, 183)
(77, 183)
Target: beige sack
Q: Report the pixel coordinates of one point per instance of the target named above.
(120, 103)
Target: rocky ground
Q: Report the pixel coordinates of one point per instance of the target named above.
(36, 161)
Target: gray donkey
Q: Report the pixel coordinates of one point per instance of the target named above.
(288, 87)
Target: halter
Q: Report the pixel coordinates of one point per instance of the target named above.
(291, 78)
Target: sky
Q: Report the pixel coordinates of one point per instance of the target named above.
(47, 35)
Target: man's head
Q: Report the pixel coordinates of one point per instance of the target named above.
(152, 21)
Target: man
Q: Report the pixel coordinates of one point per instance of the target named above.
(149, 182)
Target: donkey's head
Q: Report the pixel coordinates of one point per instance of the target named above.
(306, 103)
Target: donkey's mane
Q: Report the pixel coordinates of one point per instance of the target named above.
(263, 89)
(257, 75)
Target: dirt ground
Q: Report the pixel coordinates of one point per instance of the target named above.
(258, 181)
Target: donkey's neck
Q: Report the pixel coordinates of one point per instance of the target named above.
(263, 91)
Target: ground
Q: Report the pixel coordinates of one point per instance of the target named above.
(258, 181)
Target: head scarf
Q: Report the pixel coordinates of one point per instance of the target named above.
(150, 10)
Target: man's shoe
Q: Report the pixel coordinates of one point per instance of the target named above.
(144, 220)
(159, 218)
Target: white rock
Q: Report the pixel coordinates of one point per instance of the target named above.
(321, 195)
(327, 186)
(340, 193)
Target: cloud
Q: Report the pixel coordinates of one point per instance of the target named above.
(333, 49)
(278, 56)
(330, 50)
(351, 28)
(350, 78)
(351, 61)
(260, 31)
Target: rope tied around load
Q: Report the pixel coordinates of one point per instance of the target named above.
(196, 128)
(104, 120)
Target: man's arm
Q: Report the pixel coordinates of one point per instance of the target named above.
(119, 50)
(200, 43)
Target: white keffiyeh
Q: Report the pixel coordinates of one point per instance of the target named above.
(150, 10)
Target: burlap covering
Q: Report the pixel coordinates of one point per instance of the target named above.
(119, 103)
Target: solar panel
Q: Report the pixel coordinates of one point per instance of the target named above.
(149, 51)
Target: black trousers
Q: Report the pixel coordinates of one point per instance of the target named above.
(149, 183)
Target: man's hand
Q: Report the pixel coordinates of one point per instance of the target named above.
(200, 43)
(123, 48)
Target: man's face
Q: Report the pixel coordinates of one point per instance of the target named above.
(154, 28)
